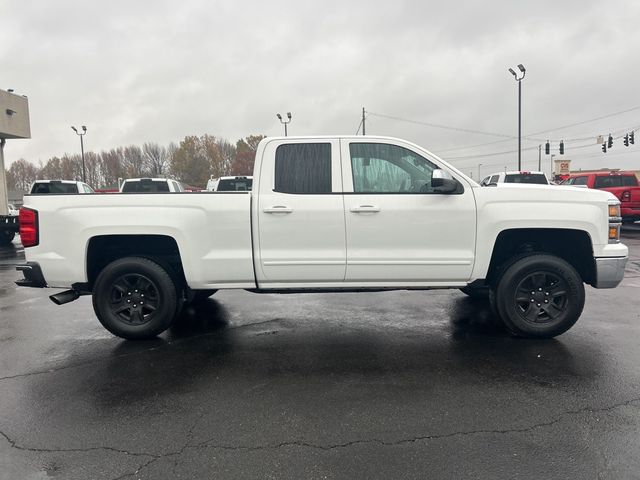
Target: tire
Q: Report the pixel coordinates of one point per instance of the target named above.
(6, 238)
(135, 298)
(539, 296)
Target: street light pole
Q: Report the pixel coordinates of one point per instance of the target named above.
(84, 132)
(519, 80)
(284, 122)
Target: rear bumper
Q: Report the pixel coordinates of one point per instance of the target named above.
(609, 271)
(32, 275)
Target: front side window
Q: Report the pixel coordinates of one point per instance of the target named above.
(579, 181)
(384, 168)
(303, 168)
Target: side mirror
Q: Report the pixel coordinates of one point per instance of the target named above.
(442, 182)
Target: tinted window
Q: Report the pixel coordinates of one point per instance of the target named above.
(383, 168)
(145, 187)
(303, 168)
(616, 181)
(240, 184)
(579, 181)
(54, 188)
(494, 179)
(537, 178)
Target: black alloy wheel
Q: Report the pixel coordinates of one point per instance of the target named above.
(539, 296)
(135, 298)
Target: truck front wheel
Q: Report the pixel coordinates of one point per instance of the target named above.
(539, 296)
(135, 298)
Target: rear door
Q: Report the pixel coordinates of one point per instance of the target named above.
(398, 229)
(300, 215)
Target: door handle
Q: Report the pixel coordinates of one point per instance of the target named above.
(278, 209)
(365, 209)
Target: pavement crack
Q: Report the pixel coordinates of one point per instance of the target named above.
(404, 441)
(14, 444)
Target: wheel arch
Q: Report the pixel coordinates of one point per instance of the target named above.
(573, 246)
(162, 249)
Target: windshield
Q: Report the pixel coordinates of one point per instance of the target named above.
(538, 178)
(234, 184)
(616, 181)
(54, 187)
(145, 187)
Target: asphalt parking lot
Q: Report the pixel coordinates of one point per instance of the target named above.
(381, 385)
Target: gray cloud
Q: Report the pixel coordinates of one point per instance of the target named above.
(157, 71)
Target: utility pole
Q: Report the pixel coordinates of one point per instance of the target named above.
(284, 122)
(364, 130)
(84, 132)
(519, 78)
(539, 158)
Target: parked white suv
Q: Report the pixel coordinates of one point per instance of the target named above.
(515, 177)
(150, 185)
(59, 186)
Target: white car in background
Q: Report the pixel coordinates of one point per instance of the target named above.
(151, 185)
(13, 211)
(230, 184)
(538, 178)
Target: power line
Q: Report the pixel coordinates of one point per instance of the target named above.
(507, 137)
(446, 127)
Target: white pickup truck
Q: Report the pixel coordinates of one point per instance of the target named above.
(329, 214)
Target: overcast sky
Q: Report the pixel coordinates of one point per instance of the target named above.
(135, 72)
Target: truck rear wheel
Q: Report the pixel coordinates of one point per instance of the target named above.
(539, 296)
(135, 298)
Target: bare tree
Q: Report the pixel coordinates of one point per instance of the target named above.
(157, 158)
(111, 165)
(227, 153)
(135, 163)
(21, 175)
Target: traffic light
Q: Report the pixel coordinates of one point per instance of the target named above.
(610, 141)
(626, 140)
(631, 139)
(561, 147)
(604, 147)
(546, 148)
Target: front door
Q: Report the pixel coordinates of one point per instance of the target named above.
(399, 230)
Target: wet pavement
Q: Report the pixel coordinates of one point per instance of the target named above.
(381, 385)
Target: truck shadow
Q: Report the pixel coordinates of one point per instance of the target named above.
(205, 346)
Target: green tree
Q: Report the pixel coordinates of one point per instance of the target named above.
(191, 163)
(245, 155)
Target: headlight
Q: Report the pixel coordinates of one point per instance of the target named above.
(615, 221)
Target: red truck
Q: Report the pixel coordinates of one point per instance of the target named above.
(623, 185)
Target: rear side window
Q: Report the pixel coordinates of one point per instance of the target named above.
(303, 168)
(536, 178)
